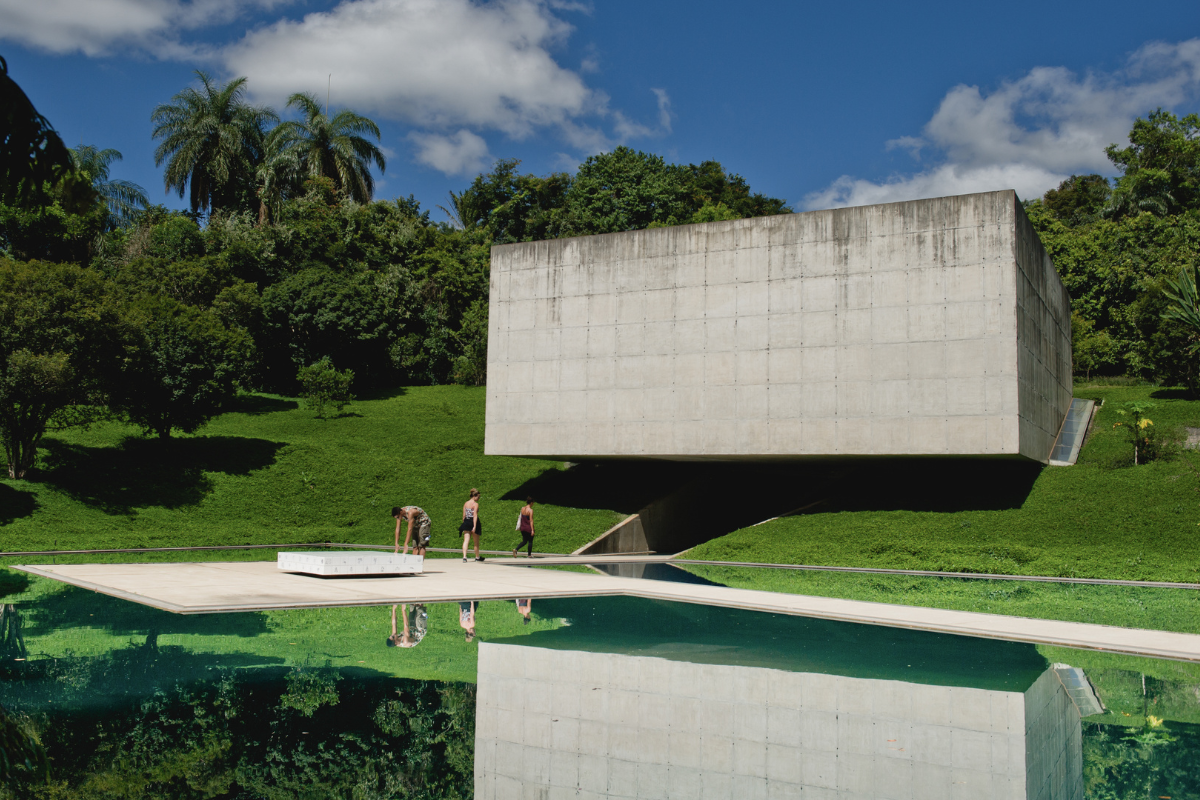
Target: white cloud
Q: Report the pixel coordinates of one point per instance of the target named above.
(1032, 133)
(462, 153)
(98, 27)
(627, 129)
(431, 63)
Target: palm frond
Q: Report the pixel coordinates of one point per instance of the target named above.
(1184, 297)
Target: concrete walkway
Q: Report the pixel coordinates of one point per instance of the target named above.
(199, 588)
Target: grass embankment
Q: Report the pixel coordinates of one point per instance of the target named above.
(269, 472)
(1102, 518)
(1122, 606)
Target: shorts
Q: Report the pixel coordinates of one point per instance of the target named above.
(422, 537)
(467, 525)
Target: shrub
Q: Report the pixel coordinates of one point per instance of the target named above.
(324, 386)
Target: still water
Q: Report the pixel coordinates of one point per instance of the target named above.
(607, 697)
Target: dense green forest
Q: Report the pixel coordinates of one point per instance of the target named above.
(1120, 246)
(285, 260)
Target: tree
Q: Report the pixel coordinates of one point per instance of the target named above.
(624, 190)
(123, 199)
(57, 336)
(181, 365)
(627, 190)
(1115, 270)
(212, 143)
(278, 179)
(319, 312)
(1161, 167)
(1183, 297)
(470, 368)
(32, 154)
(1079, 199)
(512, 207)
(1183, 293)
(321, 385)
(708, 184)
(322, 147)
(74, 213)
(61, 227)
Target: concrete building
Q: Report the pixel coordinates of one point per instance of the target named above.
(562, 723)
(931, 327)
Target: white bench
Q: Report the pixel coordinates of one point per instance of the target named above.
(343, 563)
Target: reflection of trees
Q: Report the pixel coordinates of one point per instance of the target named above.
(22, 759)
(157, 722)
(1129, 764)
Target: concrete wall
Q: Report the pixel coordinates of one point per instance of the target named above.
(553, 723)
(898, 329)
(1043, 343)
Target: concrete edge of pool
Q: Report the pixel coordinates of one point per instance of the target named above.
(224, 587)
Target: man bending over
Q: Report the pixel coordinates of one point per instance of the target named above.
(416, 518)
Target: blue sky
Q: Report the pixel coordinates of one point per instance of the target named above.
(823, 104)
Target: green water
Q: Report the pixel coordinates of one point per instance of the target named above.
(104, 699)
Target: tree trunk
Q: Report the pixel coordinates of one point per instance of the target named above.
(21, 455)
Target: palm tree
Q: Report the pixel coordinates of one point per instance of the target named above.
(278, 178)
(331, 148)
(465, 209)
(32, 153)
(212, 141)
(123, 198)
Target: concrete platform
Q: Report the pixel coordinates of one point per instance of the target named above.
(334, 563)
(199, 588)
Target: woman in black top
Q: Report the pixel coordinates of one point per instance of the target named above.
(525, 526)
(471, 527)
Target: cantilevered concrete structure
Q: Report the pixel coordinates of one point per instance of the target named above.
(932, 327)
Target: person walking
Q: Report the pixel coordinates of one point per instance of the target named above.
(525, 526)
(471, 527)
(416, 518)
(524, 606)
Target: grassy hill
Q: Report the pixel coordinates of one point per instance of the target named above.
(269, 472)
(1103, 517)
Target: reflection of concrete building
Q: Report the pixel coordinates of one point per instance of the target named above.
(928, 327)
(554, 723)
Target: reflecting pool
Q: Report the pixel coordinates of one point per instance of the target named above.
(596, 697)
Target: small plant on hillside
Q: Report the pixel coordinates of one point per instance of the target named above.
(1146, 446)
(324, 386)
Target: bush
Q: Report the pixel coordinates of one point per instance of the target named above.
(324, 386)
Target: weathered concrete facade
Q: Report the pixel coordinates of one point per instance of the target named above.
(932, 327)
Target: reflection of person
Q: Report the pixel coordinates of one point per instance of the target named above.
(471, 527)
(413, 632)
(417, 518)
(523, 607)
(525, 526)
(466, 618)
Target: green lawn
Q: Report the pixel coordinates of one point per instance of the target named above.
(1122, 606)
(1101, 518)
(269, 472)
